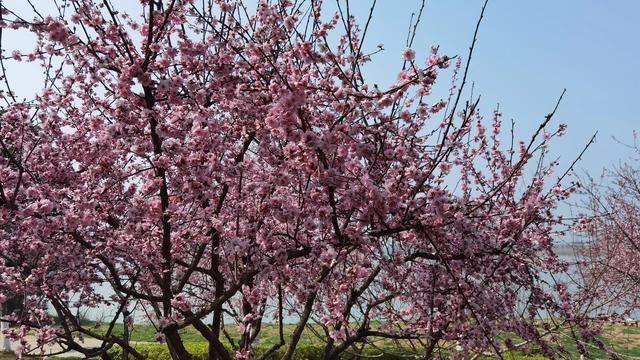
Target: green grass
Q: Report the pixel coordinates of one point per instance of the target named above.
(268, 333)
(624, 340)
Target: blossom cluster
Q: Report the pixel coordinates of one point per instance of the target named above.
(208, 163)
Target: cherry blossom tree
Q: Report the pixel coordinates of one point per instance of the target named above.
(611, 228)
(213, 163)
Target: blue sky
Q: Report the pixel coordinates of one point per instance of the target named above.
(527, 53)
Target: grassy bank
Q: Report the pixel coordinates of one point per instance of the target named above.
(621, 338)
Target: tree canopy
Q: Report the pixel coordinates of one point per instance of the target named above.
(210, 162)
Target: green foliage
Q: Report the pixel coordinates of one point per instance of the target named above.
(625, 340)
(156, 351)
(199, 351)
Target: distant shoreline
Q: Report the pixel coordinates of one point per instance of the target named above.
(567, 249)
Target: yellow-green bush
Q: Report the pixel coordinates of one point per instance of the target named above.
(199, 351)
(156, 351)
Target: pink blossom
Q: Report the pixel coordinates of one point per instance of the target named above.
(408, 54)
(179, 301)
(58, 31)
(385, 101)
(337, 334)
(213, 164)
(160, 337)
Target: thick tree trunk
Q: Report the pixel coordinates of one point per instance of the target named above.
(215, 328)
(295, 337)
(217, 351)
(176, 347)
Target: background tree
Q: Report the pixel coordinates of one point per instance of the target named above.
(611, 229)
(210, 163)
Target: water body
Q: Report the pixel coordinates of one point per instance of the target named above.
(566, 253)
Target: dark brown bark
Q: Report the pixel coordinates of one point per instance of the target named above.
(176, 347)
(295, 337)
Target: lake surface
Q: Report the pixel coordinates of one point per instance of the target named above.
(566, 253)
